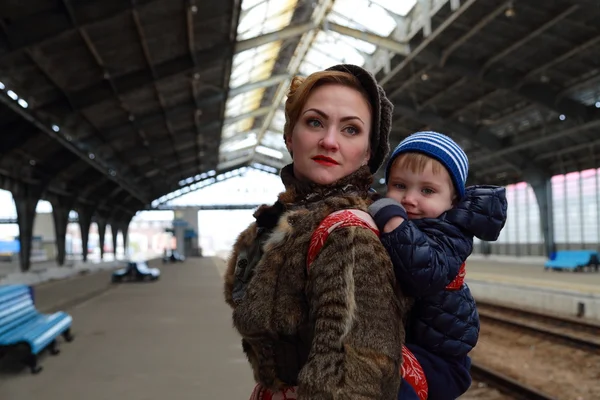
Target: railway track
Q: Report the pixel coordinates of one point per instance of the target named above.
(571, 331)
(507, 385)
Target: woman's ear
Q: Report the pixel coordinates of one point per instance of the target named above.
(288, 144)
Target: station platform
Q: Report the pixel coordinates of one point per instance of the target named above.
(172, 338)
(523, 281)
(44, 271)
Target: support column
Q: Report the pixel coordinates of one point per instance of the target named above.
(101, 222)
(26, 198)
(190, 215)
(61, 207)
(125, 232)
(542, 188)
(85, 220)
(114, 227)
(179, 227)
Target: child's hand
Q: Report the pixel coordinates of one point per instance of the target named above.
(392, 224)
(388, 214)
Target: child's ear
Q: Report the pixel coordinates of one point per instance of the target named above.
(454, 200)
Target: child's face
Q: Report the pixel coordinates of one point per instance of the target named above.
(423, 194)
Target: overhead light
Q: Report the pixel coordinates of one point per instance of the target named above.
(510, 11)
(194, 9)
(91, 156)
(23, 103)
(32, 162)
(55, 128)
(424, 77)
(2, 86)
(12, 95)
(562, 117)
(382, 181)
(112, 172)
(598, 104)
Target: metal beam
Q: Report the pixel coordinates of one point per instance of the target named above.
(317, 18)
(127, 83)
(592, 6)
(539, 138)
(190, 12)
(157, 117)
(437, 32)
(146, 51)
(207, 179)
(29, 32)
(383, 42)
(575, 50)
(99, 165)
(503, 53)
(474, 30)
(250, 114)
(270, 81)
(588, 145)
(536, 92)
(540, 93)
(285, 33)
(481, 137)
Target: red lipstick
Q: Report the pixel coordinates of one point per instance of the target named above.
(326, 161)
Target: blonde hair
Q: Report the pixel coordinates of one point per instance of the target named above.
(301, 88)
(417, 162)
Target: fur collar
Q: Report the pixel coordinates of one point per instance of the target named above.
(300, 193)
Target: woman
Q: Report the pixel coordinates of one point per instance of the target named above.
(333, 328)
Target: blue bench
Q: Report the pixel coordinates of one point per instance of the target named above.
(21, 325)
(574, 260)
(136, 270)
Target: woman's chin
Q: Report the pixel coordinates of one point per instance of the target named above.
(324, 178)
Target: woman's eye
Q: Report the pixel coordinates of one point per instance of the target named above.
(352, 130)
(314, 123)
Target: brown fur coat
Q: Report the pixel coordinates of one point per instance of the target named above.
(335, 331)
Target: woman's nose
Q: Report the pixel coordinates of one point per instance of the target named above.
(330, 140)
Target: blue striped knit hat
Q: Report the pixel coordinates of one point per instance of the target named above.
(439, 147)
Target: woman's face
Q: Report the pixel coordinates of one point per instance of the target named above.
(331, 137)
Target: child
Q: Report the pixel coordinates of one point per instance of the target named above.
(427, 223)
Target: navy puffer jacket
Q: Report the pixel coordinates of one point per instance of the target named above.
(427, 255)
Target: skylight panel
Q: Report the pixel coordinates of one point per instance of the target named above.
(274, 140)
(330, 49)
(400, 7)
(278, 120)
(239, 142)
(253, 64)
(369, 14)
(243, 102)
(265, 17)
